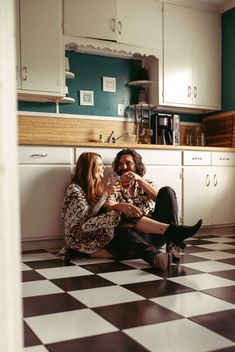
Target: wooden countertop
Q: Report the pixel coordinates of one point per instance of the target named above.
(57, 131)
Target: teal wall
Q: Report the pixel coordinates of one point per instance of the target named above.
(89, 70)
(228, 60)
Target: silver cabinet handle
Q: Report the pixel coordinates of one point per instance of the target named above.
(189, 91)
(38, 155)
(119, 27)
(215, 180)
(208, 181)
(24, 73)
(195, 92)
(197, 158)
(113, 24)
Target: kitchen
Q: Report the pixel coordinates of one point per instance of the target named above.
(227, 105)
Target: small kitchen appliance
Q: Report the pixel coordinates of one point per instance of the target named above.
(166, 129)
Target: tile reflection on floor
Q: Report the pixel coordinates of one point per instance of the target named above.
(103, 305)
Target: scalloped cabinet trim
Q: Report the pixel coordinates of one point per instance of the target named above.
(102, 47)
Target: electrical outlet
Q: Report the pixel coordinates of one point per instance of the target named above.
(121, 109)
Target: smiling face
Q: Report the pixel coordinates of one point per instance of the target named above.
(99, 168)
(126, 163)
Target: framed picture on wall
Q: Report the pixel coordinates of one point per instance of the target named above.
(109, 84)
(86, 97)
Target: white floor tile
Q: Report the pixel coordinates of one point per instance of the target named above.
(216, 246)
(202, 281)
(68, 325)
(37, 256)
(104, 296)
(137, 263)
(39, 287)
(209, 266)
(129, 276)
(221, 239)
(193, 303)
(39, 348)
(25, 267)
(178, 336)
(61, 272)
(213, 255)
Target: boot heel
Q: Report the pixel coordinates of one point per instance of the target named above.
(170, 259)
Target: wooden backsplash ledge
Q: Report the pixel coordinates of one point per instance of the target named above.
(43, 130)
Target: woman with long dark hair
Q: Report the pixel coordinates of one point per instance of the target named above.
(98, 233)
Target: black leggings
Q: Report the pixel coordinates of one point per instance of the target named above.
(166, 210)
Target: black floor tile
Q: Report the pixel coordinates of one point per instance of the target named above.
(106, 267)
(129, 315)
(220, 322)
(225, 293)
(112, 342)
(48, 304)
(30, 339)
(81, 282)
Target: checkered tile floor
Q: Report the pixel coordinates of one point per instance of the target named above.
(107, 306)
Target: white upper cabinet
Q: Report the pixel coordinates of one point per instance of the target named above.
(191, 58)
(40, 50)
(125, 21)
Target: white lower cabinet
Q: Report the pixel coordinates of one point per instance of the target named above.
(208, 188)
(44, 173)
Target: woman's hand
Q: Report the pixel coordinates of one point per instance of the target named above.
(129, 210)
(110, 186)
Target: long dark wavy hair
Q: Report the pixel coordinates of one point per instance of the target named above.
(85, 176)
(139, 166)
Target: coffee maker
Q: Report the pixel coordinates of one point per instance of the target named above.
(166, 129)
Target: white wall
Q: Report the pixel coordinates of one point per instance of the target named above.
(10, 292)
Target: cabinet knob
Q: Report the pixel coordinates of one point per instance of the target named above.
(189, 91)
(215, 180)
(113, 24)
(24, 73)
(119, 27)
(195, 92)
(208, 181)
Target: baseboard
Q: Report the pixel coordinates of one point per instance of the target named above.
(225, 229)
(33, 244)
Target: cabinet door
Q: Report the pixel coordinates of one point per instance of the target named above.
(206, 59)
(197, 195)
(167, 176)
(223, 195)
(139, 23)
(177, 55)
(90, 18)
(42, 54)
(41, 194)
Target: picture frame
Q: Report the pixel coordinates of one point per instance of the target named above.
(87, 97)
(109, 84)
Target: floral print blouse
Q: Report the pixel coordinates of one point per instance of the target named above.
(82, 230)
(139, 198)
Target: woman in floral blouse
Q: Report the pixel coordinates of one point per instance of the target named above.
(91, 230)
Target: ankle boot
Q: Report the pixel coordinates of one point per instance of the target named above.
(178, 233)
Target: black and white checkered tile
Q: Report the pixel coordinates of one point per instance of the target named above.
(103, 305)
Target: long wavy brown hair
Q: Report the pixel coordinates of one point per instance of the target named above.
(139, 165)
(85, 176)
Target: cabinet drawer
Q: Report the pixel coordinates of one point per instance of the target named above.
(196, 158)
(45, 155)
(107, 154)
(223, 158)
(160, 157)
